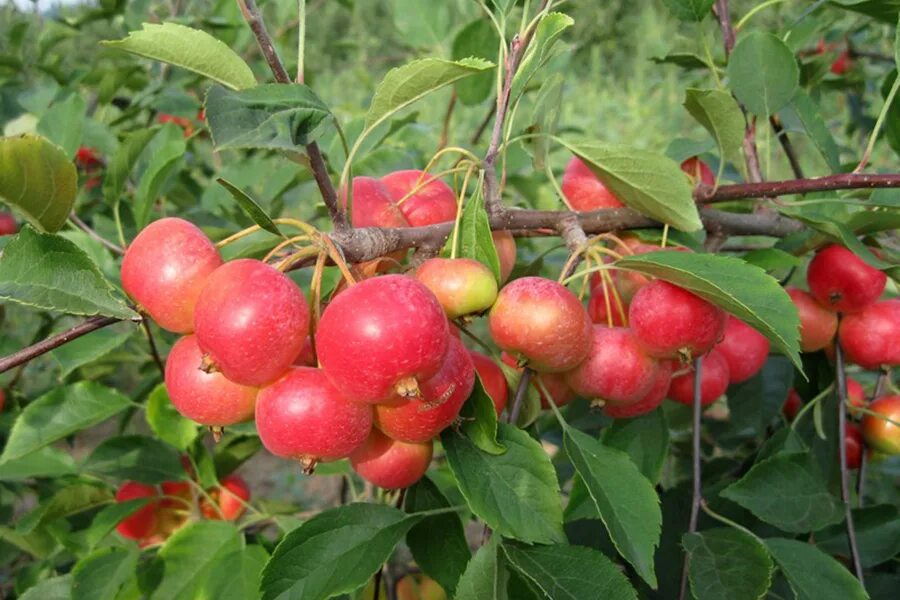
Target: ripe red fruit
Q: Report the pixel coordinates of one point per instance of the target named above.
(8, 225)
(506, 252)
(842, 63)
(882, 435)
(3, 400)
(304, 417)
(542, 321)
(792, 404)
(616, 371)
(306, 358)
(744, 349)
(142, 522)
(87, 158)
(856, 395)
(596, 308)
(165, 268)
(713, 381)
(181, 496)
(653, 398)
(207, 398)
(554, 383)
(584, 191)
(871, 338)
(231, 497)
(841, 281)
(389, 463)
(383, 335)
(853, 441)
(419, 420)
(372, 205)
(698, 171)
(818, 325)
(671, 322)
(252, 320)
(492, 379)
(182, 122)
(432, 202)
(463, 286)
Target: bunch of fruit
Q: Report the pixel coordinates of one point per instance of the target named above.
(173, 503)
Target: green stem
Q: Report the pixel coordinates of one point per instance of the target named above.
(728, 521)
(301, 42)
(878, 124)
(755, 10)
(810, 404)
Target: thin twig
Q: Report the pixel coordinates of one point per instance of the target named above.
(482, 127)
(94, 235)
(54, 341)
(841, 377)
(448, 115)
(787, 146)
(153, 351)
(697, 496)
(513, 415)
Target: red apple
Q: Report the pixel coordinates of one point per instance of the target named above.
(856, 395)
(653, 398)
(853, 442)
(8, 225)
(818, 325)
(616, 371)
(231, 497)
(880, 434)
(842, 281)
(744, 349)
(792, 404)
(433, 201)
(165, 268)
(871, 338)
(142, 522)
(382, 336)
(389, 463)
(713, 381)
(596, 308)
(671, 322)
(543, 322)
(554, 383)
(304, 417)
(443, 395)
(506, 252)
(252, 321)
(842, 63)
(584, 191)
(698, 171)
(492, 379)
(373, 206)
(463, 286)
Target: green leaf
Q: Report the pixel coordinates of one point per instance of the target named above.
(787, 491)
(335, 552)
(516, 492)
(485, 577)
(273, 116)
(752, 404)
(727, 563)
(421, 23)
(645, 439)
(106, 520)
(237, 575)
(122, 162)
(250, 207)
(772, 259)
(685, 60)
(404, 85)
(135, 457)
(67, 501)
(877, 535)
(884, 10)
(625, 499)
(47, 271)
(477, 39)
(169, 149)
(55, 588)
(438, 543)
(84, 350)
(568, 572)
(47, 462)
(547, 32)
(475, 239)
(166, 422)
(479, 420)
(812, 574)
(721, 116)
(189, 558)
(689, 10)
(234, 451)
(63, 122)
(190, 49)
(38, 178)
(650, 183)
(741, 289)
(101, 574)
(60, 413)
(807, 112)
(763, 73)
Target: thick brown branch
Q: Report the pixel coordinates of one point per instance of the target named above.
(52, 342)
(316, 163)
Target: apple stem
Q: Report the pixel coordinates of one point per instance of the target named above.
(513, 415)
(841, 377)
(697, 498)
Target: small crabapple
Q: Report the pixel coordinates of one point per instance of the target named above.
(713, 381)
(391, 464)
(818, 325)
(842, 281)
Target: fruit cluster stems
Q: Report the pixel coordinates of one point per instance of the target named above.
(696, 463)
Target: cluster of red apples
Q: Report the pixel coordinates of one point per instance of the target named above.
(172, 504)
(843, 305)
